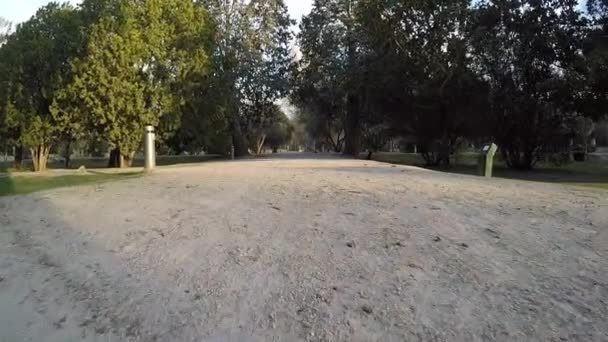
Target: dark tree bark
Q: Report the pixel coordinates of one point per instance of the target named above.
(352, 140)
(238, 140)
(18, 157)
(115, 158)
(68, 154)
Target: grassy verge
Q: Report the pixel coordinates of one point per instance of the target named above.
(101, 163)
(589, 174)
(15, 185)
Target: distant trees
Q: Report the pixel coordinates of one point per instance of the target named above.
(326, 81)
(512, 71)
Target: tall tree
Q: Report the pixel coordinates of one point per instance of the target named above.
(417, 71)
(134, 70)
(326, 82)
(250, 58)
(529, 52)
(37, 64)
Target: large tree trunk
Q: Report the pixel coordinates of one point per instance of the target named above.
(126, 160)
(115, 158)
(259, 144)
(238, 140)
(18, 157)
(352, 141)
(68, 154)
(119, 160)
(40, 157)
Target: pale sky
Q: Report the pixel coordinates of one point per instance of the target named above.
(18, 11)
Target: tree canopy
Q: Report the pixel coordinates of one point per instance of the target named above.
(511, 71)
(208, 75)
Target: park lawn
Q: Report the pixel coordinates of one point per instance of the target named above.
(588, 174)
(15, 185)
(599, 185)
(102, 162)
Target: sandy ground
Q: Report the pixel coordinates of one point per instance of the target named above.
(287, 250)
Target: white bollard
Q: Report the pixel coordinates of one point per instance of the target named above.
(149, 149)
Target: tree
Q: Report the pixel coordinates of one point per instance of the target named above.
(37, 67)
(529, 53)
(134, 72)
(417, 73)
(262, 121)
(325, 83)
(280, 134)
(250, 59)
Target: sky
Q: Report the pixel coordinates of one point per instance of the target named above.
(18, 11)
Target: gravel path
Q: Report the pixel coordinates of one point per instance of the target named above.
(302, 249)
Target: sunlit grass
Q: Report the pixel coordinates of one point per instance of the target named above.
(15, 185)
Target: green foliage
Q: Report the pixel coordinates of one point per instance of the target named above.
(326, 81)
(35, 61)
(262, 121)
(250, 61)
(436, 72)
(529, 102)
(135, 73)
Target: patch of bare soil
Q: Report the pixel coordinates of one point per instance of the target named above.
(319, 250)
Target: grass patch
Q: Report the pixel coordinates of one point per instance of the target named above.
(102, 163)
(603, 186)
(15, 185)
(590, 173)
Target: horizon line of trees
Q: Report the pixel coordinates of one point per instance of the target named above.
(525, 74)
(206, 73)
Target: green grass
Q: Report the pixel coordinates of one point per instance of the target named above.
(15, 185)
(100, 163)
(589, 174)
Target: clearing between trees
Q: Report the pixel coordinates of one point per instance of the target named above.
(302, 249)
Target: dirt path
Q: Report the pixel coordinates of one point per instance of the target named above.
(329, 250)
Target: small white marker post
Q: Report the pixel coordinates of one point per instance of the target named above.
(149, 149)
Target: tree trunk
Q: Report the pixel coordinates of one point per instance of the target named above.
(126, 160)
(516, 159)
(259, 144)
(240, 146)
(68, 154)
(18, 157)
(115, 158)
(119, 160)
(40, 157)
(352, 141)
